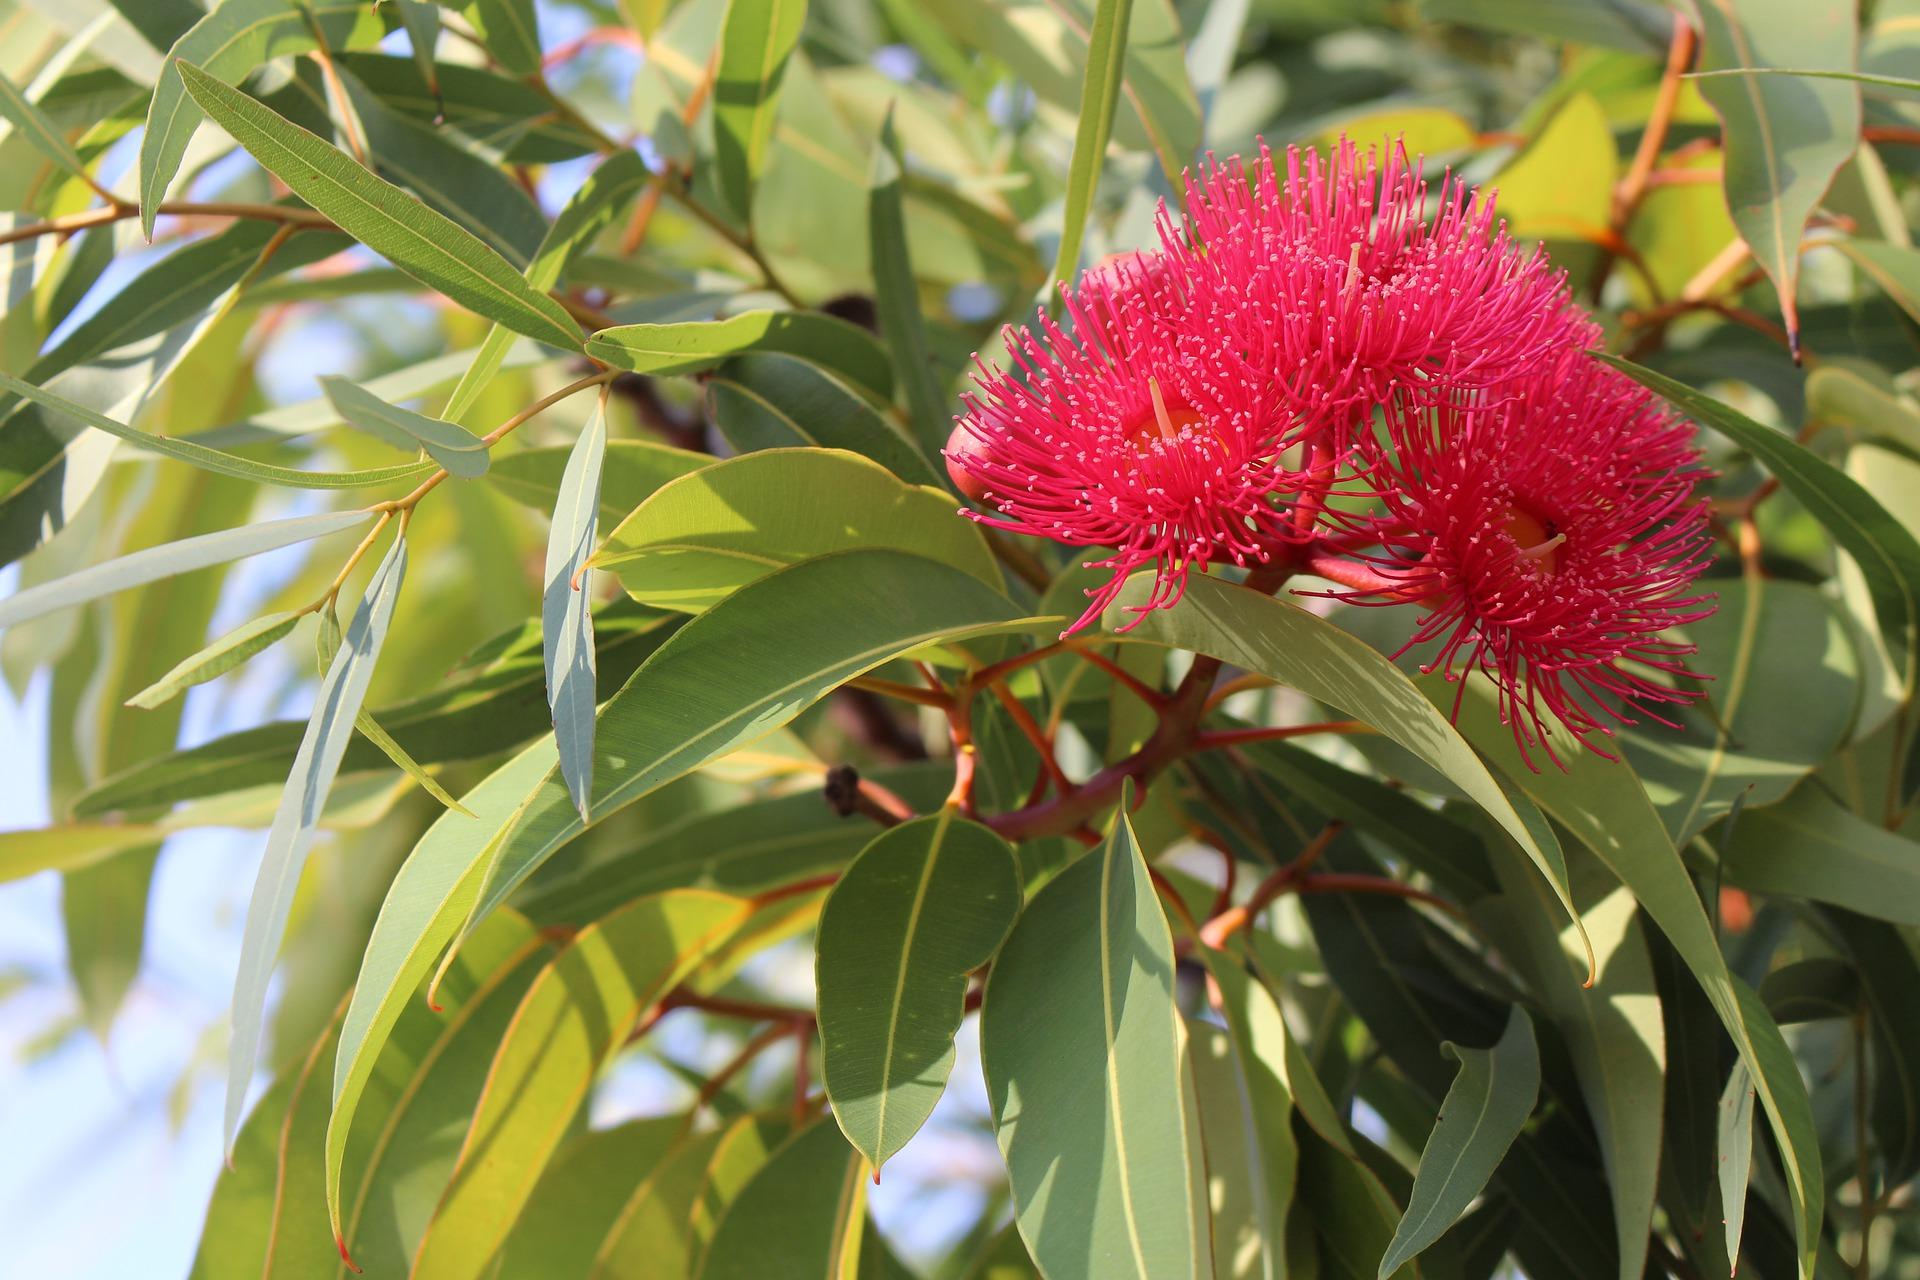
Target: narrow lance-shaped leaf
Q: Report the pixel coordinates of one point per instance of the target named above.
(803, 1213)
(1887, 553)
(694, 345)
(756, 39)
(218, 658)
(169, 560)
(924, 905)
(566, 617)
(457, 450)
(898, 294)
(421, 18)
(427, 245)
(17, 108)
(341, 695)
(1483, 1111)
(1736, 1151)
(206, 458)
(1082, 1047)
(1099, 95)
(1785, 140)
(229, 42)
(511, 31)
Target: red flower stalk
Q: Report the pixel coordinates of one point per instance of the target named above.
(1350, 285)
(1143, 431)
(1550, 530)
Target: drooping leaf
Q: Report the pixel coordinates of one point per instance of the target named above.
(425, 244)
(1083, 1053)
(924, 905)
(1488, 1102)
(1784, 139)
(218, 658)
(576, 1013)
(1736, 1151)
(62, 848)
(630, 471)
(700, 538)
(694, 345)
(336, 705)
(585, 1191)
(805, 1211)
(511, 31)
(232, 40)
(458, 451)
(169, 560)
(1888, 975)
(566, 620)
(19, 110)
(756, 39)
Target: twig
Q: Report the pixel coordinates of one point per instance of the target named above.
(1213, 739)
(1230, 921)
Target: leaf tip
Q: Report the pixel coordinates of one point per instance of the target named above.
(340, 1243)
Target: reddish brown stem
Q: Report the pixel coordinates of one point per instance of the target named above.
(1134, 684)
(1228, 922)
(1024, 718)
(1213, 739)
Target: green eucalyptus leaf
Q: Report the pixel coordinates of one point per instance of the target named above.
(766, 400)
(695, 345)
(458, 451)
(924, 905)
(756, 39)
(566, 620)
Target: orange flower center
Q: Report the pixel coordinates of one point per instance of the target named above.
(1164, 422)
(1537, 540)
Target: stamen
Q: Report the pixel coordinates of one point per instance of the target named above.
(1545, 548)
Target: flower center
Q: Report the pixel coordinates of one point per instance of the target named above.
(1166, 421)
(1538, 541)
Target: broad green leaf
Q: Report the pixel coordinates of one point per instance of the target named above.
(1784, 686)
(599, 201)
(923, 906)
(1603, 804)
(1560, 187)
(229, 43)
(572, 1019)
(466, 184)
(1083, 1052)
(771, 401)
(169, 560)
(702, 537)
(458, 451)
(1886, 552)
(1612, 1030)
(722, 681)
(1894, 267)
(897, 294)
(1276, 638)
(694, 345)
(738, 849)
(756, 39)
(804, 1213)
(396, 962)
(1784, 139)
(743, 1151)
(1259, 1109)
(338, 702)
(33, 124)
(406, 1133)
(1809, 846)
(511, 31)
(425, 244)
(1099, 96)
(254, 1225)
(218, 658)
(215, 460)
(493, 705)
(566, 617)
(1483, 1111)
(1736, 1151)
(650, 1229)
(630, 471)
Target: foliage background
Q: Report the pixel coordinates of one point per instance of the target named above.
(111, 1152)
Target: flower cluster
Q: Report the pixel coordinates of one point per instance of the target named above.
(1327, 363)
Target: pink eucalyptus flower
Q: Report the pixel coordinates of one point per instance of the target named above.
(1551, 531)
(1141, 431)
